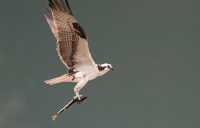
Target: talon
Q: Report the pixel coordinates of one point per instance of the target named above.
(79, 98)
(75, 97)
(83, 98)
(79, 102)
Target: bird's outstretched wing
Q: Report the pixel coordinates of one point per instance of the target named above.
(72, 44)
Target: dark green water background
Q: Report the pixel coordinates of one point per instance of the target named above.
(154, 46)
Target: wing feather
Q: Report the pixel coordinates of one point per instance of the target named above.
(72, 44)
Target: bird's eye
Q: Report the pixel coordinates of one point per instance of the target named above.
(110, 67)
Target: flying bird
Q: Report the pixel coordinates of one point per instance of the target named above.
(72, 48)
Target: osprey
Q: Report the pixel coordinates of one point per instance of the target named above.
(72, 48)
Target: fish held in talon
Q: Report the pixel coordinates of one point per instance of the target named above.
(68, 105)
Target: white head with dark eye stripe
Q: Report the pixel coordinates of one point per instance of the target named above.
(104, 68)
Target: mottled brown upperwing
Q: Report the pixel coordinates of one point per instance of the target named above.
(72, 45)
(79, 30)
(67, 46)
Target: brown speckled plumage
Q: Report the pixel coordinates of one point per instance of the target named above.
(69, 34)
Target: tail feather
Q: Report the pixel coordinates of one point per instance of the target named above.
(60, 79)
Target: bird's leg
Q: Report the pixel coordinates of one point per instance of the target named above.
(78, 96)
(78, 87)
(77, 93)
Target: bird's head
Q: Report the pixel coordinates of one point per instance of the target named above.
(104, 68)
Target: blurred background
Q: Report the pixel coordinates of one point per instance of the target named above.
(152, 44)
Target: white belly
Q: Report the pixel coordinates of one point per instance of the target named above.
(91, 76)
(89, 72)
(85, 75)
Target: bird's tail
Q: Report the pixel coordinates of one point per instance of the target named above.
(60, 79)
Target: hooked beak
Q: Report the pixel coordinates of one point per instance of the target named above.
(112, 69)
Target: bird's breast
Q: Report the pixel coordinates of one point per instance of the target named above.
(91, 75)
